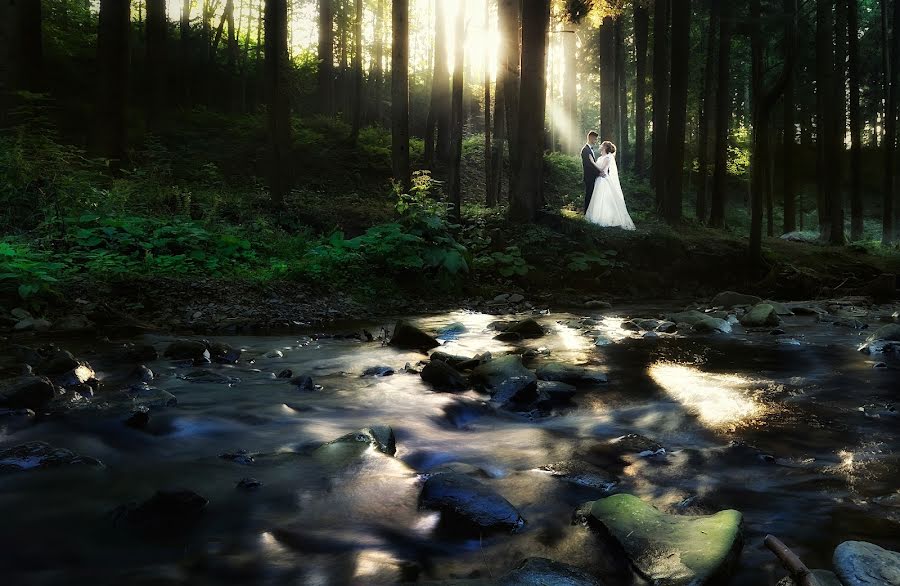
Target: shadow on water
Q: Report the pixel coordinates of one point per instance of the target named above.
(745, 421)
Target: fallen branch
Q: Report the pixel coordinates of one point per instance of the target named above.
(802, 575)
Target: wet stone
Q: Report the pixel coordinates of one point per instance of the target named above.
(29, 392)
(193, 350)
(410, 337)
(249, 484)
(377, 371)
(165, 512)
(242, 457)
(303, 383)
(467, 506)
(138, 420)
(286, 373)
(41, 456)
(545, 572)
(859, 563)
(443, 377)
(582, 473)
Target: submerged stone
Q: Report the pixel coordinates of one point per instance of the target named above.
(859, 563)
(527, 328)
(352, 445)
(443, 377)
(39, 456)
(506, 379)
(467, 506)
(570, 374)
(582, 474)
(544, 572)
(671, 550)
(28, 392)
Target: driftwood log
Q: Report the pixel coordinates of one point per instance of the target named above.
(802, 575)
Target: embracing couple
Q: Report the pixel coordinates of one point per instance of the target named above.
(604, 202)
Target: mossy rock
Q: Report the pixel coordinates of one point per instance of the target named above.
(671, 550)
(761, 315)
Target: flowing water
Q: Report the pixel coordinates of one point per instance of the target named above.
(820, 470)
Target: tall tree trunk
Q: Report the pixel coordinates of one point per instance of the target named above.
(641, 32)
(705, 117)
(527, 198)
(357, 71)
(400, 93)
(7, 58)
(27, 40)
(112, 61)
(233, 49)
(279, 122)
(824, 120)
(488, 150)
(790, 133)
(456, 110)
(622, 155)
(570, 94)
(185, 45)
(681, 33)
(326, 57)
(892, 85)
(660, 97)
(509, 13)
(608, 91)
(497, 145)
(839, 122)
(156, 60)
(723, 114)
(856, 202)
(439, 111)
(764, 100)
(378, 66)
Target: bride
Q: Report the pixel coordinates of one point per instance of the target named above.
(607, 207)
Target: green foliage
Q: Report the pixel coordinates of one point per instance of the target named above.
(507, 263)
(30, 273)
(581, 262)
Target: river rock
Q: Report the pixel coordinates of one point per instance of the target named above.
(451, 331)
(859, 563)
(138, 420)
(149, 397)
(209, 377)
(378, 371)
(671, 550)
(464, 411)
(570, 374)
(39, 456)
(506, 379)
(556, 390)
(193, 350)
(544, 572)
(597, 304)
(451, 359)
(761, 315)
(443, 377)
(712, 325)
(885, 338)
(527, 328)
(350, 446)
(690, 318)
(824, 577)
(410, 337)
(729, 299)
(582, 473)
(508, 337)
(73, 323)
(780, 308)
(468, 506)
(303, 383)
(223, 353)
(28, 392)
(166, 511)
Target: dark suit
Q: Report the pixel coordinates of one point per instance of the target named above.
(590, 173)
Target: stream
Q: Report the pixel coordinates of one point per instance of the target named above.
(795, 430)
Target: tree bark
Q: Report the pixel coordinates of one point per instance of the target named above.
(357, 71)
(185, 46)
(439, 110)
(856, 202)
(824, 109)
(456, 111)
(839, 122)
(624, 153)
(156, 60)
(527, 198)
(326, 57)
(378, 66)
(400, 93)
(509, 13)
(705, 117)
(497, 145)
(723, 113)
(488, 150)
(608, 91)
(660, 97)
(112, 61)
(790, 133)
(641, 32)
(278, 114)
(681, 33)
(570, 94)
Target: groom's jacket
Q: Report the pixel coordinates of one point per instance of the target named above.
(587, 162)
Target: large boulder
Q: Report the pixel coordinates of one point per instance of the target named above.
(544, 572)
(570, 374)
(409, 337)
(858, 563)
(729, 299)
(193, 350)
(39, 456)
(28, 392)
(467, 506)
(527, 328)
(506, 379)
(443, 377)
(671, 550)
(761, 315)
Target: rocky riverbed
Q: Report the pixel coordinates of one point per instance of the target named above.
(507, 444)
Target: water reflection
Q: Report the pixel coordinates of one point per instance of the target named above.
(718, 400)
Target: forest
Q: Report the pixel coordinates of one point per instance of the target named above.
(205, 197)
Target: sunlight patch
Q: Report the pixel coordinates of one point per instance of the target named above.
(718, 400)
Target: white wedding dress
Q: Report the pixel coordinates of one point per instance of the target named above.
(607, 207)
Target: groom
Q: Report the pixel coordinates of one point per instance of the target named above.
(590, 170)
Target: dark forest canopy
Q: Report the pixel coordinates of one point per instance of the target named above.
(762, 117)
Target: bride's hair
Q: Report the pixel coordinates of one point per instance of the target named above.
(608, 147)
